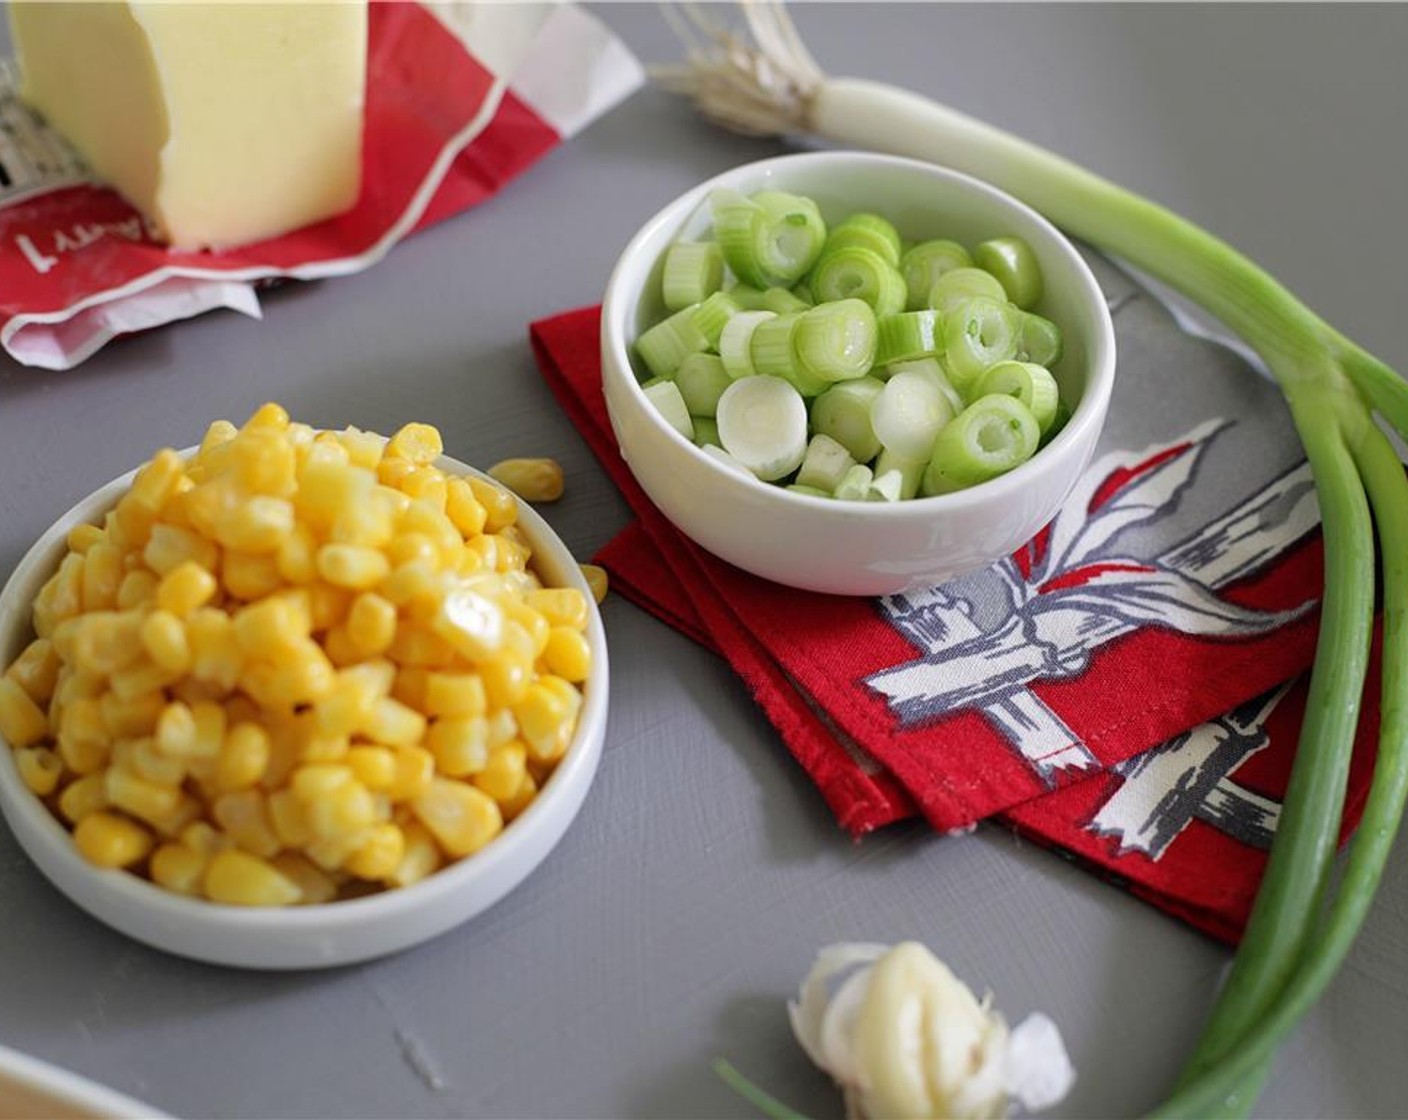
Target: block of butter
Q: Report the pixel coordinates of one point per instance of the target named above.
(223, 122)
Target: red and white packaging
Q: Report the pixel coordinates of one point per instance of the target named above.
(461, 97)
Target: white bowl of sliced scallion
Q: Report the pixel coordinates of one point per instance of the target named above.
(854, 373)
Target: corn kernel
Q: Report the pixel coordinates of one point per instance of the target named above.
(597, 580)
(102, 576)
(460, 817)
(394, 723)
(105, 642)
(326, 487)
(178, 868)
(238, 878)
(140, 677)
(545, 722)
(421, 855)
(471, 623)
(270, 414)
(185, 588)
(83, 537)
(156, 480)
(415, 768)
(370, 523)
(108, 840)
(409, 686)
(134, 795)
(463, 508)
(561, 606)
(36, 670)
(500, 506)
(506, 678)
(374, 767)
(364, 449)
(371, 623)
(243, 757)
(170, 546)
(342, 812)
(521, 799)
(417, 647)
(215, 653)
(288, 818)
(296, 556)
(379, 856)
(460, 745)
(426, 484)
(568, 655)
(270, 629)
(22, 721)
(533, 480)
(148, 762)
(420, 443)
(164, 640)
(503, 773)
(454, 694)
(534, 625)
(137, 589)
(244, 818)
(264, 462)
(314, 884)
(352, 566)
(425, 519)
(40, 769)
(250, 575)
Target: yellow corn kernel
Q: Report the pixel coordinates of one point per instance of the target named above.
(463, 508)
(364, 449)
(460, 817)
(326, 487)
(185, 588)
(288, 818)
(341, 813)
(83, 537)
(416, 647)
(503, 773)
(534, 625)
(61, 596)
(140, 677)
(421, 855)
(512, 555)
(215, 653)
(264, 462)
(371, 623)
(105, 642)
(270, 414)
(85, 743)
(108, 840)
(454, 694)
(415, 768)
(102, 576)
(370, 523)
(420, 443)
(219, 431)
(257, 524)
(156, 480)
(500, 506)
(88, 794)
(597, 580)
(238, 878)
(270, 630)
(204, 838)
(395, 724)
(568, 654)
(407, 547)
(250, 575)
(460, 745)
(533, 480)
(134, 795)
(472, 623)
(561, 606)
(425, 484)
(176, 867)
(137, 589)
(380, 855)
(545, 722)
(506, 678)
(243, 757)
(304, 678)
(171, 546)
(409, 686)
(352, 566)
(40, 769)
(392, 472)
(374, 767)
(131, 718)
(296, 557)
(22, 721)
(36, 670)
(425, 519)
(245, 819)
(164, 639)
(412, 582)
(521, 799)
(148, 762)
(314, 884)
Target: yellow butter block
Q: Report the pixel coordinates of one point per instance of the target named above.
(224, 123)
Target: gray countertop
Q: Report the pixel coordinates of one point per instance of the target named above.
(686, 902)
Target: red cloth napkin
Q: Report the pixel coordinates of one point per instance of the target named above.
(1113, 695)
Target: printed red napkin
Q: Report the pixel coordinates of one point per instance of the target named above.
(1117, 689)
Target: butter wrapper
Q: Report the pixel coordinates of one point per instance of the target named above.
(460, 98)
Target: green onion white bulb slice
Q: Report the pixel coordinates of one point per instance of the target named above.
(763, 424)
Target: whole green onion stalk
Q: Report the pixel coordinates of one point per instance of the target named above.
(766, 83)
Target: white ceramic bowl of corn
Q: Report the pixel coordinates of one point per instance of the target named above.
(327, 933)
(851, 547)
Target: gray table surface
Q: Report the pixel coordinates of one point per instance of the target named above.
(703, 872)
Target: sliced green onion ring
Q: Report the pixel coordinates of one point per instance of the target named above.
(701, 380)
(1038, 340)
(694, 270)
(923, 264)
(907, 336)
(959, 285)
(826, 463)
(857, 273)
(837, 341)
(736, 342)
(1014, 264)
(665, 396)
(988, 438)
(843, 413)
(908, 415)
(763, 424)
(869, 231)
(669, 342)
(1031, 384)
(977, 335)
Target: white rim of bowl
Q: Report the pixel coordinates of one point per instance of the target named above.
(1093, 401)
(325, 916)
